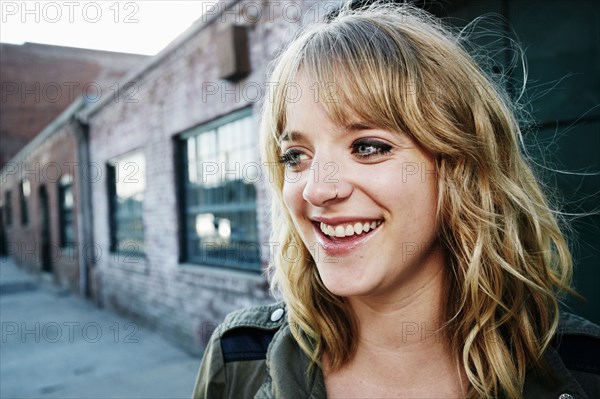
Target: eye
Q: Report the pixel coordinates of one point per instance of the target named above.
(366, 148)
(292, 158)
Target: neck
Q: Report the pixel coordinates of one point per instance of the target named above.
(402, 349)
(410, 318)
(406, 327)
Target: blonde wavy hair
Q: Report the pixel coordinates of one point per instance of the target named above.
(398, 68)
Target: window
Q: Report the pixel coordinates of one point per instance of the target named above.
(8, 207)
(218, 194)
(24, 193)
(65, 211)
(126, 186)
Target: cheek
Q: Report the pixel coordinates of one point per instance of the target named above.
(292, 197)
(295, 204)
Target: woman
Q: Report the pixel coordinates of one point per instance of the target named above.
(418, 258)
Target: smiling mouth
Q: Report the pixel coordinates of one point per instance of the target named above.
(346, 237)
(349, 230)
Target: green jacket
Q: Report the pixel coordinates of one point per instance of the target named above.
(252, 354)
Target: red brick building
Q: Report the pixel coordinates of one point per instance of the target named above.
(40, 81)
(42, 204)
(41, 147)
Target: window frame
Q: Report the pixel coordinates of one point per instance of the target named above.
(66, 182)
(23, 201)
(113, 207)
(183, 189)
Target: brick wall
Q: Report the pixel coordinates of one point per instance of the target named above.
(184, 301)
(44, 166)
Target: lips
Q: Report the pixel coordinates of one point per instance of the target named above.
(342, 237)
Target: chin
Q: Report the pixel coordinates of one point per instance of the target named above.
(343, 284)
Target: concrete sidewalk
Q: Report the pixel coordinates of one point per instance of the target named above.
(56, 345)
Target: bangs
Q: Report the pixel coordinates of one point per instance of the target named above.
(357, 71)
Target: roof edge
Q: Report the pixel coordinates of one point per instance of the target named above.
(62, 119)
(154, 61)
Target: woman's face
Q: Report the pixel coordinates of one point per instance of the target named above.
(363, 200)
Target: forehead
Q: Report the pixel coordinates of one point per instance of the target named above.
(308, 114)
(310, 101)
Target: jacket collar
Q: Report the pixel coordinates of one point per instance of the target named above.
(287, 369)
(558, 384)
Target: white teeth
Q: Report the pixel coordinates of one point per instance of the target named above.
(349, 229)
(358, 228)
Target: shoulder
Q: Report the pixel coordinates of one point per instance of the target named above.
(261, 316)
(571, 324)
(246, 334)
(234, 362)
(577, 341)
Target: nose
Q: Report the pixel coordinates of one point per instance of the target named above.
(323, 185)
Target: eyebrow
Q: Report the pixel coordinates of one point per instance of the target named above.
(295, 135)
(357, 126)
(290, 135)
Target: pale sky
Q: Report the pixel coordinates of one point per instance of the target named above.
(142, 26)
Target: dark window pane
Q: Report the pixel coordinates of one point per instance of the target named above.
(65, 200)
(8, 200)
(219, 200)
(24, 193)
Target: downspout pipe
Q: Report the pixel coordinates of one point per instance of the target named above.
(85, 218)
